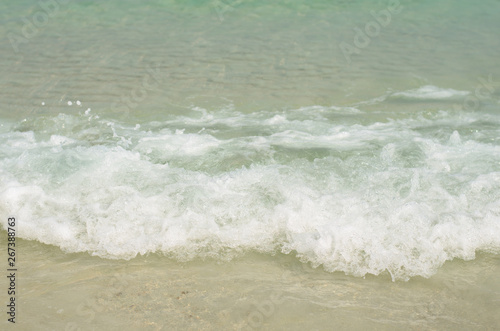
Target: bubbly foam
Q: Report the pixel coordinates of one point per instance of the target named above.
(430, 92)
(402, 196)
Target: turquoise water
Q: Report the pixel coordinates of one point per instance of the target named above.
(359, 137)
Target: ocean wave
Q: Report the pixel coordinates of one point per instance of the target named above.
(430, 92)
(427, 93)
(400, 195)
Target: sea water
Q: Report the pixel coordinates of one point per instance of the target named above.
(253, 164)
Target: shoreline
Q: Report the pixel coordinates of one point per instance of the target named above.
(74, 291)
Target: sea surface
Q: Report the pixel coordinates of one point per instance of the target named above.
(274, 165)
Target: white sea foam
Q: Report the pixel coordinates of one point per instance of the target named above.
(402, 196)
(423, 93)
(430, 92)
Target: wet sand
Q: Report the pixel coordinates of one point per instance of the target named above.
(255, 292)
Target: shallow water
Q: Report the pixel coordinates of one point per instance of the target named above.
(264, 148)
(78, 292)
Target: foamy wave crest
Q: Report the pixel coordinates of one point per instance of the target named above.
(399, 196)
(427, 93)
(430, 92)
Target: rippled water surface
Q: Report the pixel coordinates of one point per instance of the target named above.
(253, 164)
